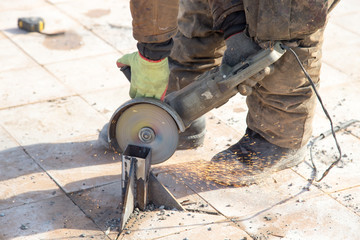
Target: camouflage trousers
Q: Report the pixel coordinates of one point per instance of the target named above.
(281, 108)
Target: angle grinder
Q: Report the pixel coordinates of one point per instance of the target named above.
(155, 124)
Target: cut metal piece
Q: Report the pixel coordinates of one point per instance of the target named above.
(139, 185)
(149, 126)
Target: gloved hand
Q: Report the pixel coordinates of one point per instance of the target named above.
(238, 48)
(148, 78)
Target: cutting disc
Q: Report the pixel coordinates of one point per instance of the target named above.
(150, 126)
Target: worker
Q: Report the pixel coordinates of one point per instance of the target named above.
(178, 41)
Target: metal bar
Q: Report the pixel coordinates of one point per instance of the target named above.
(129, 197)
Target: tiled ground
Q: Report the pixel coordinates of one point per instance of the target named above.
(57, 182)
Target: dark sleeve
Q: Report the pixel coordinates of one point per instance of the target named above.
(154, 21)
(155, 51)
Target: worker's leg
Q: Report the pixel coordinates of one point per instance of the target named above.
(281, 110)
(197, 48)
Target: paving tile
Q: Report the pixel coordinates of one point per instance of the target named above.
(161, 223)
(77, 165)
(344, 175)
(344, 8)
(222, 230)
(341, 102)
(89, 74)
(55, 218)
(77, 42)
(15, 58)
(6, 141)
(29, 85)
(108, 101)
(336, 53)
(91, 14)
(103, 205)
(51, 121)
(22, 180)
(315, 218)
(20, 5)
(350, 198)
(111, 21)
(331, 76)
(117, 36)
(279, 188)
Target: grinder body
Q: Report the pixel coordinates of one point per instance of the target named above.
(155, 124)
(215, 87)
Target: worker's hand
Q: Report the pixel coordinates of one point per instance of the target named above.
(238, 48)
(148, 78)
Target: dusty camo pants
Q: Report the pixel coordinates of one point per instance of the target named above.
(281, 107)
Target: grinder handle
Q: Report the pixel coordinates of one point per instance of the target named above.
(126, 70)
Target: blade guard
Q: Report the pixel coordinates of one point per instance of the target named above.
(115, 117)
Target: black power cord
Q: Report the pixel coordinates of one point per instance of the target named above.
(327, 115)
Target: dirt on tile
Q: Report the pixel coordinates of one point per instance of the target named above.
(97, 13)
(70, 40)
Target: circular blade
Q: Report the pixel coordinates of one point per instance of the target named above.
(141, 118)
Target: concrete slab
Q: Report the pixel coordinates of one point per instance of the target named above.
(55, 218)
(22, 180)
(32, 84)
(52, 121)
(91, 74)
(77, 165)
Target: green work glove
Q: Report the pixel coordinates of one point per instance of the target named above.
(148, 78)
